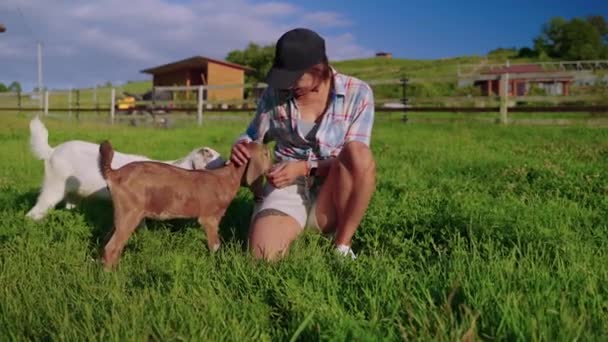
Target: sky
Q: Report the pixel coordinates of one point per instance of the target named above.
(91, 42)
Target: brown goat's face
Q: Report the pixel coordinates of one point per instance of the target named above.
(258, 165)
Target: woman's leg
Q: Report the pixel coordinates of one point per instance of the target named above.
(346, 193)
(271, 234)
(279, 221)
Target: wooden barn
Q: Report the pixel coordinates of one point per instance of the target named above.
(199, 70)
(522, 77)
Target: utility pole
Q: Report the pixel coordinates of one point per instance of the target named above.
(40, 72)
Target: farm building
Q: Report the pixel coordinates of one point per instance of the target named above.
(198, 70)
(521, 79)
(384, 54)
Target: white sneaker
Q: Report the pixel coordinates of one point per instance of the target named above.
(345, 250)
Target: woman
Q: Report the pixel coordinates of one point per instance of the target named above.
(321, 122)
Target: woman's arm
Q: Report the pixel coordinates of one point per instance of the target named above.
(256, 130)
(360, 129)
(259, 125)
(363, 119)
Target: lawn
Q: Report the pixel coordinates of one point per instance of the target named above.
(475, 231)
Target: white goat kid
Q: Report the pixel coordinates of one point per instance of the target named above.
(71, 169)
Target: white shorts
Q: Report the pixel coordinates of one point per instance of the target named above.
(292, 200)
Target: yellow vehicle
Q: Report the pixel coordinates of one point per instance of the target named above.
(126, 103)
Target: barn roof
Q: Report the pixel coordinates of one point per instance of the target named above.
(532, 72)
(516, 69)
(192, 62)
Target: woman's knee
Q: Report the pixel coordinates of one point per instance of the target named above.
(357, 157)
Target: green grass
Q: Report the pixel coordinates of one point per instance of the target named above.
(475, 231)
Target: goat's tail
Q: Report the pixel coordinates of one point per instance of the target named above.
(106, 153)
(39, 139)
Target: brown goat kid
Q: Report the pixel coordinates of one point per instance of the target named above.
(159, 191)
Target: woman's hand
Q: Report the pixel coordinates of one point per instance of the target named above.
(239, 153)
(285, 173)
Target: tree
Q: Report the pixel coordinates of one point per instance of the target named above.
(600, 25)
(526, 52)
(257, 57)
(581, 41)
(576, 39)
(14, 87)
(3, 88)
(551, 35)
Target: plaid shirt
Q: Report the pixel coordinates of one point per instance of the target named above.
(349, 117)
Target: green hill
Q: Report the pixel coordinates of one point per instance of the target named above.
(382, 68)
(432, 78)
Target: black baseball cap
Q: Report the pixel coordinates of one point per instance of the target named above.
(296, 51)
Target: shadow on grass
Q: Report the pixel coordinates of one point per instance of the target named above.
(233, 227)
(98, 215)
(13, 201)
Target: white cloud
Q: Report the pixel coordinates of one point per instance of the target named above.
(117, 45)
(345, 46)
(86, 42)
(325, 19)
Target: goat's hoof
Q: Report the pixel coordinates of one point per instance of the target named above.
(34, 215)
(214, 248)
(108, 267)
(108, 264)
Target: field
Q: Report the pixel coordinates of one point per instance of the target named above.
(475, 231)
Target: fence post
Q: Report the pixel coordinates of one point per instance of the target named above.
(112, 109)
(95, 101)
(199, 115)
(19, 100)
(504, 98)
(404, 101)
(46, 102)
(70, 102)
(77, 104)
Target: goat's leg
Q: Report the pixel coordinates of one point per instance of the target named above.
(72, 201)
(53, 191)
(211, 226)
(124, 226)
